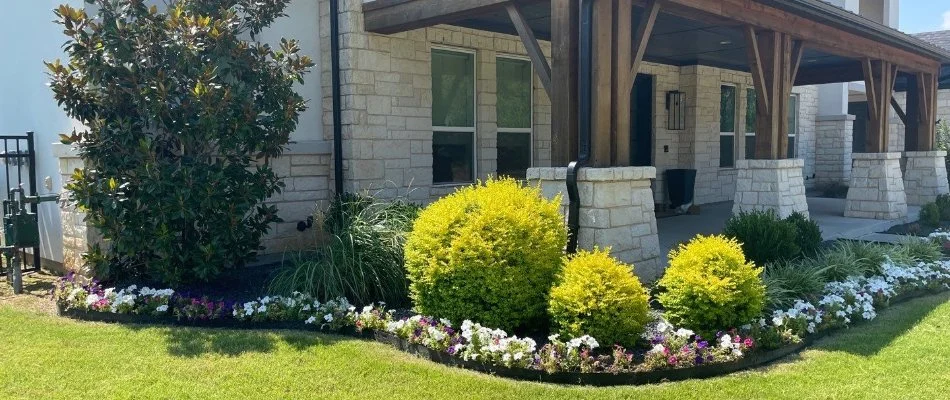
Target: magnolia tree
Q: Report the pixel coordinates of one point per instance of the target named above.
(182, 110)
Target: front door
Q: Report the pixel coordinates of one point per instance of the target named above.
(641, 122)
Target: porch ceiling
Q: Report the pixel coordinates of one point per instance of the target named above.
(677, 40)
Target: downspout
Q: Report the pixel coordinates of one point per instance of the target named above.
(337, 107)
(583, 116)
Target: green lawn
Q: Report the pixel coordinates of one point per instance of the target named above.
(905, 353)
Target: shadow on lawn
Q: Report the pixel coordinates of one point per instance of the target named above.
(195, 342)
(870, 338)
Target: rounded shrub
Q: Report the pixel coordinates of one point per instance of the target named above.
(709, 286)
(809, 233)
(763, 236)
(599, 296)
(489, 253)
(930, 214)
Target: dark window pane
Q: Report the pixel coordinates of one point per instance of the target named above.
(514, 93)
(514, 154)
(750, 109)
(791, 147)
(453, 89)
(792, 124)
(727, 110)
(750, 147)
(727, 151)
(452, 157)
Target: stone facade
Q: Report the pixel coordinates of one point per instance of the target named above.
(775, 185)
(833, 146)
(877, 187)
(925, 176)
(304, 169)
(616, 211)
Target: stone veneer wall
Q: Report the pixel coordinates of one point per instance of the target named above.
(925, 176)
(835, 135)
(771, 185)
(877, 187)
(305, 170)
(386, 88)
(616, 211)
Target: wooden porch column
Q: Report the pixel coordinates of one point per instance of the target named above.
(564, 59)
(774, 58)
(617, 55)
(879, 77)
(920, 121)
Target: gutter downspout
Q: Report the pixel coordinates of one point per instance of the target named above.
(335, 87)
(584, 104)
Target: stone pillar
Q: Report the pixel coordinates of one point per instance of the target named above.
(877, 187)
(77, 234)
(925, 176)
(834, 137)
(616, 211)
(771, 185)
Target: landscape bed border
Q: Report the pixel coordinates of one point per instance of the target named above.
(752, 360)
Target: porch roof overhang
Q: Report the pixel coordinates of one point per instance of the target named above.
(703, 32)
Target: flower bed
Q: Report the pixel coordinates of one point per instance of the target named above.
(675, 353)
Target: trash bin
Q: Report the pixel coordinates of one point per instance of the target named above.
(680, 185)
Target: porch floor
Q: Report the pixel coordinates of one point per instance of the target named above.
(828, 213)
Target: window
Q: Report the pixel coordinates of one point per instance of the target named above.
(750, 125)
(727, 127)
(750, 109)
(514, 116)
(792, 125)
(453, 117)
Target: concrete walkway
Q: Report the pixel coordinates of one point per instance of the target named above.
(828, 213)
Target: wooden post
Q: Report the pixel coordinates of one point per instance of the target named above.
(774, 59)
(921, 122)
(564, 59)
(602, 77)
(879, 77)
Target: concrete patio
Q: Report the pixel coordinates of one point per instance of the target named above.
(828, 213)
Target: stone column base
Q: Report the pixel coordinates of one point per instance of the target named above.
(834, 135)
(925, 176)
(877, 187)
(775, 185)
(616, 211)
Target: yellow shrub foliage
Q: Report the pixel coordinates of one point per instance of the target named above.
(599, 296)
(710, 286)
(488, 253)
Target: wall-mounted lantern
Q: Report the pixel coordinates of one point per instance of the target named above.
(675, 110)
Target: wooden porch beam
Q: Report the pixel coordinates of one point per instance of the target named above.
(642, 39)
(602, 84)
(921, 109)
(393, 16)
(775, 58)
(899, 110)
(541, 66)
(879, 86)
(755, 64)
(564, 70)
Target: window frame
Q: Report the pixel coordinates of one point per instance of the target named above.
(459, 129)
(793, 148)
(735, 125)
(530, 129)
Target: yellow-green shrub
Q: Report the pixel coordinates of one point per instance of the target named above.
(710, 286)
(489, 253)
(599, 296)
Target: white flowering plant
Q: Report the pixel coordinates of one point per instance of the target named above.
(682, 348)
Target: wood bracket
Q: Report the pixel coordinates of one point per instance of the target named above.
(531, 44)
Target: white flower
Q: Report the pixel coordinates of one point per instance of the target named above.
(328, 317)
(659, 348)
(162, 308)
(684, 333)
(446, 323)
(310, 320)
(662, 327)
(553, 338)
(778, 321)
(725, 341)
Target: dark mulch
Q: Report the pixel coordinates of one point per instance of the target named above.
(916, 229)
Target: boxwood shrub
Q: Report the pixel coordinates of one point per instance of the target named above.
(488, 253)
(709, 286)
(599, 296)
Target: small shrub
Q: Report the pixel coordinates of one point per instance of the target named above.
(787, 281)
(930, 214)
(809, 233)
(488, 253)
(599, 296)
(847, 258)
(943, 203)
(363, 258)
(710, 286)
(764, 237)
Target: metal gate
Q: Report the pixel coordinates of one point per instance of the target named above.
(19, 168)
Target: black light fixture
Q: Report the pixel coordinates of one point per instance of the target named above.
(675, 110)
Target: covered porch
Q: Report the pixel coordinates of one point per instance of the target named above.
(607, 168)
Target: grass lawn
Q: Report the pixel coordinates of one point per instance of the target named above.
(905, 353)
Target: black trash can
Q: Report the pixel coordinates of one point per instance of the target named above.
(680, 185)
